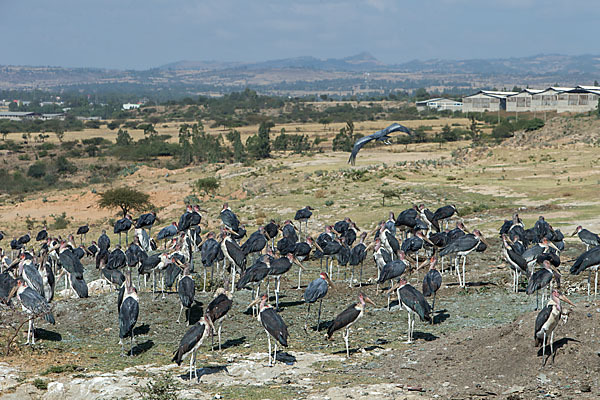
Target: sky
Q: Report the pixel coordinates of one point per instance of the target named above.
(136, 34)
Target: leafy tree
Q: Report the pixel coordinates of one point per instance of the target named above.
(112, 125)
(64, 166)
(37, 170)
(281, 142)
(239, 153)
(185, 151)
(421, 94)
(124, 138)
(126, 199)
(258, 146)
(4, 131)
(206, 185)
(345, 139)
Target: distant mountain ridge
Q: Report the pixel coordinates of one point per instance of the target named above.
(299, 76)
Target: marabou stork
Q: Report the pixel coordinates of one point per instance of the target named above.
(531, 254)
(289, 231)
(414, 303)
(186, 291)
(279, 267)
(380, 136)
(547, 321)
(588, 238)
(351, 234)
(128, 313)
(415, 243)
(190, 342)
(255, 274)
(303, 215)
(74, 269)
(217, 310)
(408, 218)
(230, 220)
(7, 284)
(273, 324)
(330, 249)
(316, 290)
(393, 270)
(302, 252)
(34, 304)
(167, 233)
(31, 275)
(442, 214)
(390, 224)
(113, 276)
(542, 228)
(542, 278)
(116, 259)
(256, 242)
(381, 257)
(462, 247)
(347, 318)
(103, 246)
(210, 251)
(23, 240)
(341, 227)
(426, 216)
(145, 221)
(516, 262)
(589, 260)
(357, 256)
(185, 219)
(234, 254)
(271, 232)
(41, 235)
(82, 231)
(48, 279)
(123, 225)
(389, 241)
(432, 283)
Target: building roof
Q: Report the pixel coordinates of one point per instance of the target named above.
(16, 113)
(592, 88)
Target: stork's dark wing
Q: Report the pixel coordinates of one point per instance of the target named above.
(189, 341)
(218, 307)
(35, 303)
(128, 315)
(344, 318)
(274, 324)
(416, 301)
(540, 320)
(539, 280)
(315, 290)
(359, 145)
(585, 260)
(463, 243)
(432, 282)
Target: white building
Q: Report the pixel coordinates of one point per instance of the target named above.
(486, 100)
(521, 101)
(439, 104)
(131, 106)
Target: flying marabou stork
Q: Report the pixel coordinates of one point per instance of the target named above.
(347, 318)
(380, 136)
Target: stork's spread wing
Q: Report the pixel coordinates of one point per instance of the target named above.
(379, 135)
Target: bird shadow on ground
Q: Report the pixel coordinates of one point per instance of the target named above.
(426, 336)
(230, 343)
(285, 357)
(204, 371)
(323, 326)
(196, 312)
(473, 284)
(141, 330)
(142, 347)
(44, 334)
(284, 304)
(441, 316)
(558, 344)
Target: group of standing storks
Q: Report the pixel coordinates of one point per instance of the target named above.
(396, 245)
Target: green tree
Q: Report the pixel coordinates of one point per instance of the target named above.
(421, 94)
(185, 146)
(239, 153)
(259, 146)
(206, 185)
(64, 166)
(124, 138)
(126, 199)
(37, 169)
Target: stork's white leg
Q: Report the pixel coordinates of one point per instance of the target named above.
(551, 346)
(589, 280)
(408, 333)
(28, 330)
(204, 287)
(269, 340)
(219, 333)
(195, 368)
(232, 278)
(596, 284)
(543, 348)
(346, 335)
(180, 311)
(299, 278)
(463, 272)
(275, 353)
(457, 269)
(191, 361)
(412, 328)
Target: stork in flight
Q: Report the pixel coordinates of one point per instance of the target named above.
(380, 136)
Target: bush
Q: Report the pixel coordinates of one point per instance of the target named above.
(64, 166)
(60, 222)
(163, 388)
(37, 169)
(206, 185)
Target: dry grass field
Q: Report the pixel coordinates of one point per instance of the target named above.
(480, 347)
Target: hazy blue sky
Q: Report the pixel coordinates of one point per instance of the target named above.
(149, 33)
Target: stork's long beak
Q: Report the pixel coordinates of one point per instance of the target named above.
(465, 228)
(369, 246)
(553, 246)
(318, 247)
(425, 238)
(14, 262)
(210, 323)
(564, 298)
(374, 230)
(12, 293)
(330, 283)
(255, 302)
(394, 287)
(426, 262)
(485, 241)
(298, 263)
(508, 240)
(555, 270)
(574, 233)
(368, 300)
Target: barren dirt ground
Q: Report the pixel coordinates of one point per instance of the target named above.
(481, 345)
